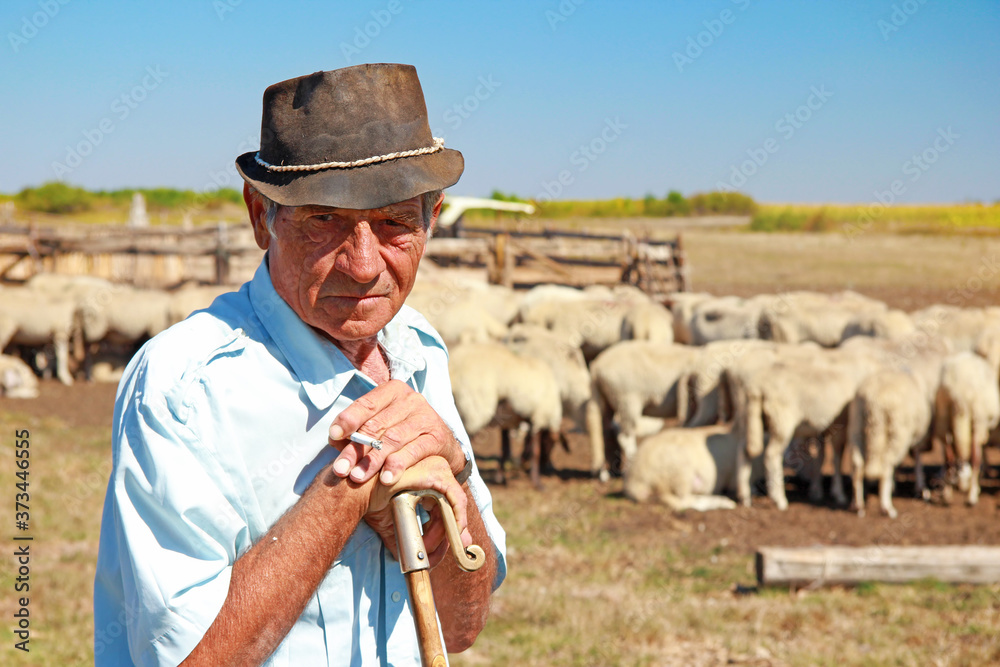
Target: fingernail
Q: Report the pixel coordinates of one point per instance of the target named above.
(357, 473)
(466, 537)
(386, 477)
(341, 466)
(336, 432)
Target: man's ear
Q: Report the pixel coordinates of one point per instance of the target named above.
(434, 216)
(255, 208)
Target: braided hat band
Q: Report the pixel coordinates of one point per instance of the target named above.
(437, 146)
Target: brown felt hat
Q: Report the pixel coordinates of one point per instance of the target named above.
(355, 137)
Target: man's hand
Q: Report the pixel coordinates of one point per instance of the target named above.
(409, 428)
(430, 473)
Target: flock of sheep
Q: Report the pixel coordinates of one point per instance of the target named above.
(754, 383)
(71, 325)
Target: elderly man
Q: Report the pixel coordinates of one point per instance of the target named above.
(241, 525)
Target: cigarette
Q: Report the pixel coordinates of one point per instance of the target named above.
(366, 440)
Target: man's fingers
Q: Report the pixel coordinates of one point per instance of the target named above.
(396, 462)
(366, 407)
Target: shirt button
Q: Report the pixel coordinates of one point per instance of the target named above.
(396, 597)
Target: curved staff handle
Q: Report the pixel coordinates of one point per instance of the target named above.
(413, 562)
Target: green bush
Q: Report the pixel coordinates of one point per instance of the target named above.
(722, 203)
(55, 197)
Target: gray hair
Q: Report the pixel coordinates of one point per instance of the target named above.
(427, 203)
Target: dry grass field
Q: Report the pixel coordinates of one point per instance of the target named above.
(593, 578)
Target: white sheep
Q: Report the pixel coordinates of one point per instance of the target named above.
(961, 326)
(631, 380)
(191, 297)
(805, 397)
(966, 410)
(703, 392)
(888, 417)
(467, 321)
(682, 306)
(724, 318)
(821, 318)
(493, 385)
(686, 468)
(17, 380)
(134, 315)
(648, 321)
(566, 361)
(37, 319)
(592, 325)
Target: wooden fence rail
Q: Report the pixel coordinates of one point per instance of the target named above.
(228, 254)
(527, 257)
(154, 257)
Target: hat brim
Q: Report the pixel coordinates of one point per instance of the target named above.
(371, 186)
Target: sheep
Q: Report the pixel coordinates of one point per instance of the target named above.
(888, 417)
(822, 318)
(796, 397)
(631, 379)
(702, 390)
(492, 384)
(464, 311)
(724, 318)
(962, 326)
(988, 346)
(17, 380)
(91, 296)
(966, 409)
(682, 306)
(467, 321)
(591, 324)
(917, 354)
(132, 315)
(648, 321)
(892, 323)
(565, 360)
(191, 297)
(36, 319)
(686, 468)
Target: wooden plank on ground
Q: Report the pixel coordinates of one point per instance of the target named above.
(816, 566)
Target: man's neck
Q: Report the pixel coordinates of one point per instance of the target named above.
(366, 356)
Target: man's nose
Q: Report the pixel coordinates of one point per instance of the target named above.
(361, 259)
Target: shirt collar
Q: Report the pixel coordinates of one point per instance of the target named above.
(318, 364)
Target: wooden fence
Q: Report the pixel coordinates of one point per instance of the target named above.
(227, 254)
(148, 257)
(524, 258)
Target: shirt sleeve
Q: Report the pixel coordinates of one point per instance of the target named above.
(177, 530)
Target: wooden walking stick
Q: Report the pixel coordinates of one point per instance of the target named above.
(413, 561)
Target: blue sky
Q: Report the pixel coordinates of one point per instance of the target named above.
(573, 99)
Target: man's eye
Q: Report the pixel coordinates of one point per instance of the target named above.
(323, 217)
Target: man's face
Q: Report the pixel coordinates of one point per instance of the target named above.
(345, 272)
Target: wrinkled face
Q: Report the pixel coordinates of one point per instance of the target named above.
(345, 272)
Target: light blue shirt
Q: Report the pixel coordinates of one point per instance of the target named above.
(220, 425)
